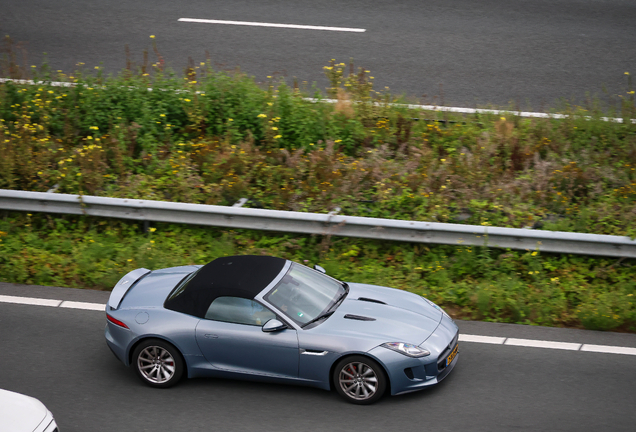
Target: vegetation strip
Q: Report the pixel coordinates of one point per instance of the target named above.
(434, 108)
(212, 137)
(387, 169)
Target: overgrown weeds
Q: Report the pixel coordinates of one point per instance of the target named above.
(213, 137)
(470, 282)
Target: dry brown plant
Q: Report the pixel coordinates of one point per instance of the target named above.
(343, 106)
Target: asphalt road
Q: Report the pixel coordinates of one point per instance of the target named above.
(458, 52)
(59, 356)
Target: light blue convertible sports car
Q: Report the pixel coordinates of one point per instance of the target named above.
(266, 318)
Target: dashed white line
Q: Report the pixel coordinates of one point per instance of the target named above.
(493, 340)
(29, 301)
(542, 344)
(83, 305)
(481, 339)
(261, 24)
(607, 349)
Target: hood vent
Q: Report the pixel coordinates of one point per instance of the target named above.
(371, 300)
(358, 317)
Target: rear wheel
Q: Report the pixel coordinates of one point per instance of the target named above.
(359, 380)
(158, 363)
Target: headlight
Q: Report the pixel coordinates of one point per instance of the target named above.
(406, 349)
(437, 307)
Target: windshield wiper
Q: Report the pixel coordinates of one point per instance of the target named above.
(341, 298)
(332, 309)
(318, 318)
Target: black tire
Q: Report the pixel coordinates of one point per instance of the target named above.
(158, 363)
(359, 380)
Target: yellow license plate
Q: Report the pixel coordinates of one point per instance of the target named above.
(452, 355)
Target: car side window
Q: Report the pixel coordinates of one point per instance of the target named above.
(239, 311)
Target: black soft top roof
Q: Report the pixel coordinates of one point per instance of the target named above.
(234, 276)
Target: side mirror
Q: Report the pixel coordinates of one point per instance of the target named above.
(273, 325)
(320, 269)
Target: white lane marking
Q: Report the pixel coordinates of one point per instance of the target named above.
(83, 305)
(480, 111)
(531, 343)
(606, 349)
(260, 24)
(481, 339)
(31, 82)
(422, 107)
(29, 301)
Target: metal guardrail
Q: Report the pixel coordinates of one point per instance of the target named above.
(322, 224)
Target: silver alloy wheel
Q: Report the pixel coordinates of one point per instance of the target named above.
(358, 381)
(156, 364)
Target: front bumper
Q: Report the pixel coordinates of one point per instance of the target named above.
(407, 374)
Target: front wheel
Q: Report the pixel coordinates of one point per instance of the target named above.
(360, 380)
(158, 363)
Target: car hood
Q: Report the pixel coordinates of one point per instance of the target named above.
(393, 297)
(373, 315)
(19, 412)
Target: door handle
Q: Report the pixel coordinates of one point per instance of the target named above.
(211, 336)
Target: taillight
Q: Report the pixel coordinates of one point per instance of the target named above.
(116, 321)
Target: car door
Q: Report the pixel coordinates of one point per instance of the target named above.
(231, 338)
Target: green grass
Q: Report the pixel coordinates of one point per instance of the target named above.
(469, 282)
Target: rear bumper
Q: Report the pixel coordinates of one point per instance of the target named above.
(118, 340)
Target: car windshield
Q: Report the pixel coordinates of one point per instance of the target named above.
(304, 294)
